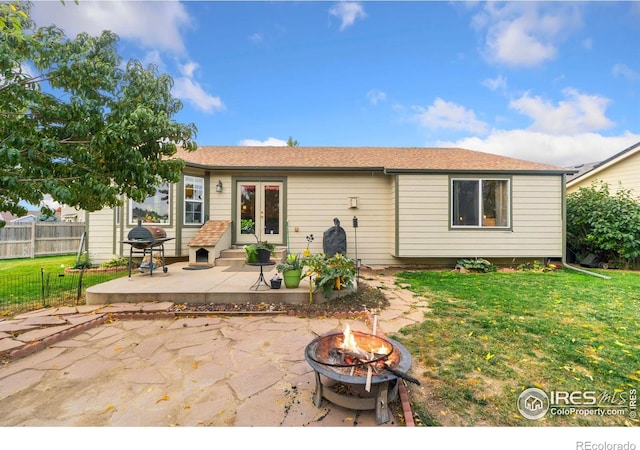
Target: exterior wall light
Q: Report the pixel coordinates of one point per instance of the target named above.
(219, 186)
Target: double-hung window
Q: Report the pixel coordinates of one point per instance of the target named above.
(193, 200)
(483, 202)
(154, 209)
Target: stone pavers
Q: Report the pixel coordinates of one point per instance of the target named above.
(98, 369)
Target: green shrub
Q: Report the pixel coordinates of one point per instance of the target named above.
(116, 261)
(604, 224)
(537, 266)
(476, 265)
(331, 273)
(84, 262)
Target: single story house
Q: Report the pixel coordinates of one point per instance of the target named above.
(12, 219)
(621, 170)
(414, 206)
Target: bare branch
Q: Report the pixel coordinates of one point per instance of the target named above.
(70, 141)
(40, 180)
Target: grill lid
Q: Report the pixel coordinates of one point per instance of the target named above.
(147, 233)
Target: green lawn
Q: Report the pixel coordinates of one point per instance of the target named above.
(10, 267)
(31, 283)
(489, 336)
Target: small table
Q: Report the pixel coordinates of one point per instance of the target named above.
(261, 279)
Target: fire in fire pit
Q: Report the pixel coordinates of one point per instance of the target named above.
(369, 365)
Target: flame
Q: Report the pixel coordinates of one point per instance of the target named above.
(349, 339)
(350, 343)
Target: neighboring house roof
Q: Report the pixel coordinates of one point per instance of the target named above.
(388, 159)
(31, 216)
(11, 218)
(581, 169)
(594, 168)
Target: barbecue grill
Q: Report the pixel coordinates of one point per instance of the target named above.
(143, 240)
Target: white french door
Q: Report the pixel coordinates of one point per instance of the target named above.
(259, 211)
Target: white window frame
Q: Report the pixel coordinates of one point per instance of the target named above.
(482, 221)
(154, 202)
(195, 198)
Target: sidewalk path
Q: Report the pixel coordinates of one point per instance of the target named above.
(87, 366)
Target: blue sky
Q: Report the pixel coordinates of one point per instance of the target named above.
(552, 82)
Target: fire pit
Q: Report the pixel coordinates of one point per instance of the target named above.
(143, 240)
(358, 370)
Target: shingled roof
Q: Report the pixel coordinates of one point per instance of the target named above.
(596, 167)
(389, 159)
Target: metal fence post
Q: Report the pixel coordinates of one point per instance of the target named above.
(80, 285)
(42, 284)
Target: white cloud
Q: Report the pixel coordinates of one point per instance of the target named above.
(498, 83)
(578, 113)
(375, 96)
(49, 202)
(155, 25)
(448, 115)
(525, 33)
(191, 92)
(188, 69)
(256, 38)
(153, 57)
(152, 24)
(561, 151)
(269, 142)
(347, 12)
(624, 71)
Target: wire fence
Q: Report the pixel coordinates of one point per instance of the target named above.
(43, 289)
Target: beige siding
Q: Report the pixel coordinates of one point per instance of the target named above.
(219, 205)
(625, 173)
(220, 202)
(188, 232)
(423, 217)
(101, 236)
(314, 200)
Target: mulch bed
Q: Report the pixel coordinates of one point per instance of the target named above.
(362, 302)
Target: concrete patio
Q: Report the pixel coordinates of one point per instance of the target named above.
(98, 369)
(186, 284)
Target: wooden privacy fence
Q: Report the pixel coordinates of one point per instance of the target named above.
(40, 239)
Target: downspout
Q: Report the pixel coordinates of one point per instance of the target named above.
(565, 264)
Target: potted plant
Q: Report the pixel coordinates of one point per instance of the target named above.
(264, 249)
(291, 270)
(332, 273)
(276, 281)
(259, 252)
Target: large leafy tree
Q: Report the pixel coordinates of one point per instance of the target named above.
(79, 124)
(604, 224)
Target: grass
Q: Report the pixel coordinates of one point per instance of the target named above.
(489, 336)
(22, 281)
(54, 264)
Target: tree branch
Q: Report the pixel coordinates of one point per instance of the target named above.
(40, 180)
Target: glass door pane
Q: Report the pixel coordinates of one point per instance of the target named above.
(259, 212)
(271, 208)
(247, 205)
